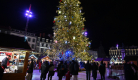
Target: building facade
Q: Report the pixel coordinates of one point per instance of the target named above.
(5, 30)
(30, 37)
(93, 53)
(120, 53)
(43, 45)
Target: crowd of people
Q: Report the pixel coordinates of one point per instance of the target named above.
(94, 67)
(63, 70)
(71, 69)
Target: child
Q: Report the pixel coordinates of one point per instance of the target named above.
(68, 75)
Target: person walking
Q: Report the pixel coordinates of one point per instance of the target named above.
(60, 70)
(40, 63)
(94, 71)
(88, 69)
(102, 70)
(51, 71)
(44, 70)
(30, 71)
(74, 70)
(129, 74)
(135, 68)
(1, 72)
(66, 68)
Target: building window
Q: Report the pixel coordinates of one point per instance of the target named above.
(42, 44)
(42, 50)
(37, 49)
(38, 44)
(33, 46)
(46, 45)
(33, 40)
(29, 39)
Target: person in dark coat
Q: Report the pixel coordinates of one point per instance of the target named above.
(94, 71)
(1, 72)
(30, 70)
(51, 71)
(44, 70)
(74, 70)
(129, 75)
(66, 68)
(88, 69)
(60, 70)
(5, 60)
(102, 70)
(135, 68)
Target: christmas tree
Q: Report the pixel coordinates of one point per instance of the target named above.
(69, 32)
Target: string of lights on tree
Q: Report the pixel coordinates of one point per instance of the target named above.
(69, 32)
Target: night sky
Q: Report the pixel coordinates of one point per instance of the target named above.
(107, 21)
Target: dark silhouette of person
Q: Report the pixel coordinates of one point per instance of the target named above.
(102, 70)
(74, 70)
(135, 68)
(129, 74)
(51, 71)
(94, 71)
(44, 70)
(60, 70)
(30, 70)
(88, 69)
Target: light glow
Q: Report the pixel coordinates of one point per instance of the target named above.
(28, 14)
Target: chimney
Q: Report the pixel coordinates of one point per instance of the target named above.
(40, 35)
(43, 35)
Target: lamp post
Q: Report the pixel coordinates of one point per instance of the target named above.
(28, 14)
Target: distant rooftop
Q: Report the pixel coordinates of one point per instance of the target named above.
(22, 32)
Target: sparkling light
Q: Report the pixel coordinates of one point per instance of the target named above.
(73, 37)
(28, 14)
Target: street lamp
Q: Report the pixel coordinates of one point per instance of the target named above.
(28, 14)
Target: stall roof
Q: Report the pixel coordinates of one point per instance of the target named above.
(107, 59)
(99, 59)
(13, 42)
(32, 56)
(103, 59)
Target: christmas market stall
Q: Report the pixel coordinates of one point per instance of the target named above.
(18, 49)
(46, 58)
(32, 56)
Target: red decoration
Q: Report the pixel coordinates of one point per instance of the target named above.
(62, 52)
(82, 28)
(60, 0)
(53, 21)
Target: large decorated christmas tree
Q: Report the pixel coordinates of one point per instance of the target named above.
(69, 31)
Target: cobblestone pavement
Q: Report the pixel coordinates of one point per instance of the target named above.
(82, 75)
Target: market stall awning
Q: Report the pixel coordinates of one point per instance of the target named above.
(13, 42)
(107, 59)
(32, 57)
(99, 59)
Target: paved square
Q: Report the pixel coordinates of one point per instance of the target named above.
(81, 76)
